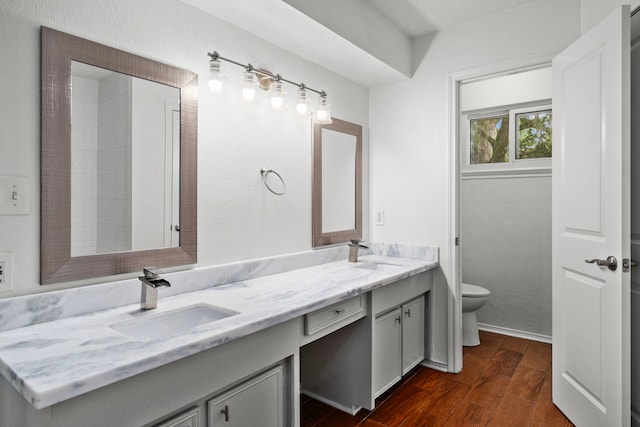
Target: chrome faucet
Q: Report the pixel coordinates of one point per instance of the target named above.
(150, 284)
(354, 246)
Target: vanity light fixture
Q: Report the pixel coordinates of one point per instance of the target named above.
(216, 75)
(265, 79)
(302, 105)
(277, 94)
(323, 110)
(249, 83)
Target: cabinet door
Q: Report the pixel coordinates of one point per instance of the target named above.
(412, 334)
(190, 418)
(257, 402)
(387, 351)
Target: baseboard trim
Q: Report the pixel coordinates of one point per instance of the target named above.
(514, 333)
(434, 365)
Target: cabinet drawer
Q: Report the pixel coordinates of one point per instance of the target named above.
(318, 320)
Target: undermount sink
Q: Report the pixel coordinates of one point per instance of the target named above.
(151, 326)
(375, 265)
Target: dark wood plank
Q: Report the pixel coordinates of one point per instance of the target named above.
(488, 391)
(512, 412)
(468, 414)
(504, 362)
(312, 411)
(395, 410)
(338, 418)
(526, 383)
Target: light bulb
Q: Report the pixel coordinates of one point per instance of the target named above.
(322, 115)
(323, 111)
(216, 76)
(248, 86)
(277, 95)
(302, 106)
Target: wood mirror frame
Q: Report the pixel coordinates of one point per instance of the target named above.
(320, 238)
(56, 263)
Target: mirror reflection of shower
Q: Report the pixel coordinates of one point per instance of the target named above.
(125, 156)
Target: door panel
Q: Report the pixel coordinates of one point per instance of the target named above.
(591, 317)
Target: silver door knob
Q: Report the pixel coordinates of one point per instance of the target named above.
(611, 262)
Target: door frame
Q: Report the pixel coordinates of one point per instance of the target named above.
(511, 66)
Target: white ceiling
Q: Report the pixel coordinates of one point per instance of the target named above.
(297, 25)
(418, 17)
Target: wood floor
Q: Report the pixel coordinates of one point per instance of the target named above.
(505, 381)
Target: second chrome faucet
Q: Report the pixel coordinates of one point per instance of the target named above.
(150, 282)
(354, 247)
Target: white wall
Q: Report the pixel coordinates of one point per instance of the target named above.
(84, 155)
(409, 123)
(114, 164)
(505, 220)
(593, 11)
(506, 248)
(237, 217)
(149, 140)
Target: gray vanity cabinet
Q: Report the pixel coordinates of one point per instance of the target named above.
(387, 350)
(190, 418)
(258, 401)
(413, 330)
(398, 343)
(398, 337)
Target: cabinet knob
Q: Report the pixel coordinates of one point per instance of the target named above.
(408, 312)
(398, 318)
(339, 311)
(225, 411)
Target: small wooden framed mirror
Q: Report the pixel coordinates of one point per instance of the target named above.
(337, 183)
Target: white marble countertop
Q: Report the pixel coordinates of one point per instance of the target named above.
(54, 361)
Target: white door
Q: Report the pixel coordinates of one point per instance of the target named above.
(591, 315)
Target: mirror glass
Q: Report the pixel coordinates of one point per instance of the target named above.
(337, 183)
(119, 161)
(125, 162)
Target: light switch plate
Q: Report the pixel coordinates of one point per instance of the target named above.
(6, 267)
(15, 198)
(379, 217)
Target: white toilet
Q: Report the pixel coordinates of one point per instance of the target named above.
(473, 297)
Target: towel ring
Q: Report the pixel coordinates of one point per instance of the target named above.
(264, 172)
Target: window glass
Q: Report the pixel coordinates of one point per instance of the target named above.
(489, 140)
(533, 135)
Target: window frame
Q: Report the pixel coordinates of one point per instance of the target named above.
(521, 167)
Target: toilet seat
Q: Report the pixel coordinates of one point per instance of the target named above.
(473, 291)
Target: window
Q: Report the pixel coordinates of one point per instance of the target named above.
(490, 140)
(533, 133)
(508, 139)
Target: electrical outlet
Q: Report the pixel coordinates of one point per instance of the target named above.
(6, 269)
(379, 217)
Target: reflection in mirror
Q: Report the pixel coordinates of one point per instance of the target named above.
(337, 183)
(117, 195)
(120, 125)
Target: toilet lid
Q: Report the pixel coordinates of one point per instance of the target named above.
(474, 291)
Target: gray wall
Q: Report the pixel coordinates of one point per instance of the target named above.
(506, 247)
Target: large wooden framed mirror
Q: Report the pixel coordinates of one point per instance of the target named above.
(119, 161)
(337, 183)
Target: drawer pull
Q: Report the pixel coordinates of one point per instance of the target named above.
(398, 318)
(339, 312)
(225, 411)
(408, 312)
